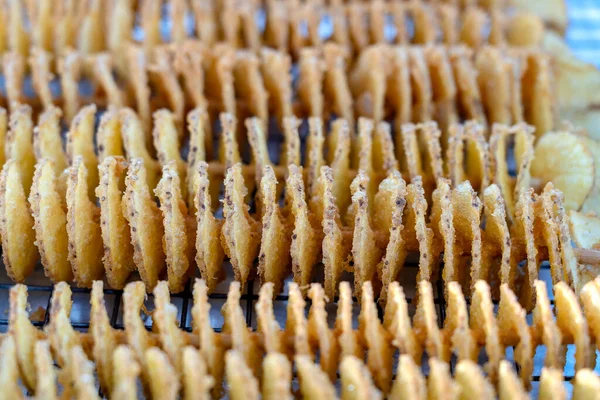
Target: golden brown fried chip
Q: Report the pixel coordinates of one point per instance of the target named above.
(365, 252)
(397, 322)
(514, 329)
(379, 350)
(188, 60)
(19, 143)
(258, 142)
(485, 328)
(416, 227)
(164, 319)
(267, 324)
(471, 382)
(45, 387)
(399, 90)
(545, 328)
(240, 235)
(104, 338)
(275, 67)
(136, 60)
(314, 154)
(421, 83)
(61, 334)
(552, 385)
(426, 324)
(356, 380)
(200, 145)
(81, 375)
(166, 142)
(125, 373)
(162, 74)
(277, 377)
(590, 297)
(109, 138)
(585, 229)
(13, 67)
(296, 324)
(136, 145)
(306, 239)
(163, 382)
(586, 386)
(440, 384)
(524, 246)
(137, 336)
(509, 385)
(456, 325)
(314, 382)
(70, 68)
(101, 68)
(41, 75)
(49, 215)
(249, 86)
(469, 99)
(274, 255)
(573, 325)
(546, 229)
(118, 252)
(242, 384)
(442, 220)
(209, 252)
(319, 332)
(209, 341)
(144, 218)
(80, 142)
(24, 335)
(197, 383)
(179, 227)
(564, 159)
(347, 336)
(362, 155)
(16, 224)
(409, 382)
(496, 236)
(3, 134)
(291, 146)
(47, 141)
(9, 369)
(83, 227)
(338, 98)
(368, 82)
(310, 82)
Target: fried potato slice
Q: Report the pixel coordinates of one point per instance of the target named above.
(19, 143)
(523, 241)
(379, 350)
(118, 251)
(101, 67)
(422, 109)
(409, 383)
(200, 144)
(509, 385)
(136, 60)
(137, 336)
(291, 142)
(347, 337)
(469, 97)
(391, 200)
(314, 154)
(13, 67)
(538, 98)
(306, 239)
(104, 338)
(188, 60)
(164, 319)
(363, 154)
(514, 329)
(162, 74)
(338, 98)
(125, 372)
(249, 85)
(240, 235)
(24, 335)
(144, 218)
(416, 227)
(80, 142)
(587, 385)
(563, 159)
(277, 377)
(178, 241)
(166, 143)
(440, 384)
(573, 325)
(16, 225)
(47, 142)
(136, 145)
(485, 328)
(63, 338)
(456, 325)
(592, 202)
(109, 138)
(314, 382)
(399, 89)
(590, 295)
(319, 332)
(425, 324)
(442, 220)
(163, 381)
(274, 255)
(365, 252)
(552, 385)
(3, 134)
(296, 324)
(209, 252)
(70, 67)
(471, 381)
(83, 227)
(255, 129)
(310, 82)
(219, 77)
(356, 380)
(235, 324)
(275, 67)
(267, 325)
(545, 328)
(338, 144)
(41, 76)
(496, 236)
(197, 383)
(210, 346)
(397, 322)
(82, 375)
(368, 82)
(45, 387)
(335, 249)
(546, 229)
(241, 382)
(9, 368)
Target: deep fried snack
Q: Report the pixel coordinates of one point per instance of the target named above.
(314, 383)
(267, 324)
(83, 227)
(163, 76)
(45, 387)
(509, 385)
(197, 383)
(166, 143)
(108, 136)
(137, 336)
(19, 143)
(81, 371)
(47, 142)
(347, 337)
(471, 381)
(522, 238)
(442, 218)
(592, 202)
(70, 66)
(356, 380)
(496, 236)
(296, 324)
(240, 235)
(9, 368)
(200, 145)
(105, 341)
(118, 252)
(425, 324)
(456, 325)
(409, 383)
(590, 294)
(16, 224)
(551, 384)
(277, 377)
(143, 216)
(165, 319)
(397, 322)
(63, 338)
(440, 384)
(3, 134)
(545, 328)
(80, 142)
(587, 385)
(319, 332)
(125, 372)
(242, 384)
(163, 381)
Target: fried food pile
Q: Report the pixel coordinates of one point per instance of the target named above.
(243, 363)
(355, 203)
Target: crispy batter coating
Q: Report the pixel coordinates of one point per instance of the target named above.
(197, 383)
(47, 141)
(440, 384)
(80, 142)
(587, 385)
(296, 323)
(163, 381)
(105, 340)
(109, 138)
(9, 369)
(45, 387)
(143, 216)
(83, 227)
(125, 372)
(442, 219)
(167, 146)
(509, 385)
(425, 324)
(249, 85)
(546, 329)
(471, 381)
(242, 384)
(522, 236)
(63, 338)
(162, 74)
(496, 236)
(356, 380)
(551, 384)
(200, 143)
(267, 324)
(277, 377)
(165, 320)
(409, 383)
(456, 325)
(19, 143)
(138, 338)
(319, 332)
(397, 322)
(16, 225)
(314, 382)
